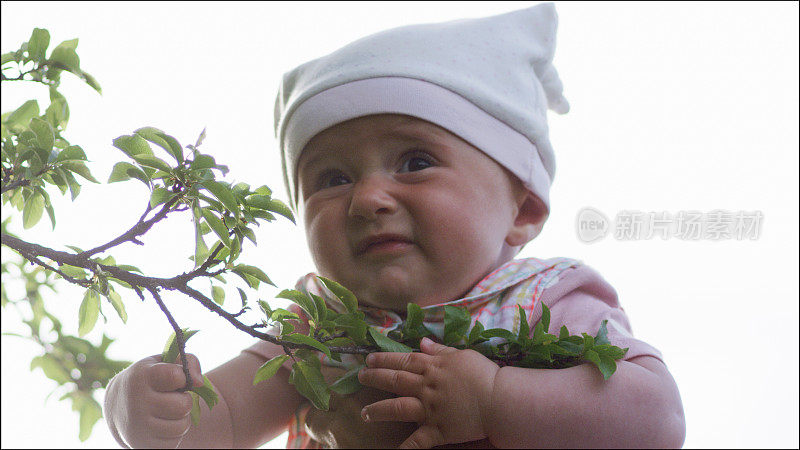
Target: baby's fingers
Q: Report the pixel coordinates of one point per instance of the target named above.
(395, 381)
(401, 409)
(426, 436)
(167, 377)
(168, 431)
(171, 405)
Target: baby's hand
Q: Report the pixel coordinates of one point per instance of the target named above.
(447, 391)
(143, 405)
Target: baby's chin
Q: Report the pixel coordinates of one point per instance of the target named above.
(397, 300)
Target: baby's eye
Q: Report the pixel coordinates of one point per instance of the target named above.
(416, 163)
(332, 179)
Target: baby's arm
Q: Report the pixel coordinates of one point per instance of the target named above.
(639, 406)
(459, 395)
(143, 408)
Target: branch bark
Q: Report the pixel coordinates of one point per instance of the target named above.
(33, 252)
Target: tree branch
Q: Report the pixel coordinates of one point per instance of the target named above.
(178, 336)
(178, 283)
(23, 181)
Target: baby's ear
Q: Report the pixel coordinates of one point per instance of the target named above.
(530, 219)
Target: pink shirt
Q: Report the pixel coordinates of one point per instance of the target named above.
(577, 296)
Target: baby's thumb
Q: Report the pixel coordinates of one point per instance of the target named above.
(194, 370)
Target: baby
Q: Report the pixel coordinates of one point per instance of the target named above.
(420, 161)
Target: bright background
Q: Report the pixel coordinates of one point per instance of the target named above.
(674, 107)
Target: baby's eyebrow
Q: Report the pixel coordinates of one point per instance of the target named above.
(414, 133)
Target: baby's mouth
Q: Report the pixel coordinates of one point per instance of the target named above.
(383, 244)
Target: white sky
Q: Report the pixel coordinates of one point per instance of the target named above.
(674, 107)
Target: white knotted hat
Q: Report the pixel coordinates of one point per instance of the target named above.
(489, 81)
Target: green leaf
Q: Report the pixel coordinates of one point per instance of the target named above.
(34, 207)
(259, 201)
(79, 168)
(498, 332)
(348, 383)
(414, 316)
(74, 272)
(207, 392)
(50, 213)
(23, 115)
(123, 171)
(133, 145)
(602, 334)
(311, 384)
(170, 353)
(354, 326)
(456, 324)
(281, 314)
(302, 300)
(217, 225)
(279, 207)
(218, 294)
(57, 113)
(52, 368)
(202, 162)
(564, 333)
(339, 342)
(73, 152)
(545, 320)
(538, 333)
(298, 338)
(91, 81)
(90, 413)
(159, 196)
(269, 369)
(38, 43)
(319, 304)
(196, 412)
(386, 344)
(152, 161)
(612, 351)
(475, 334)
(524, 327)
(44, 133)
(265, 307)
(243, 296)
(88, 312)
(119, 307)
(347, 298)
(65, 54)
(74, 187)
(223, 193)
(588, 341)
(174, 148)
(606, 365)
(8, 57)
(165, 141)
(200, 138)
(255, 272)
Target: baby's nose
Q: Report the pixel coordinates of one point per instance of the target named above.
(371, 197)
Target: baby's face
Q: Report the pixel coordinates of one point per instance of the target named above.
(399, 210)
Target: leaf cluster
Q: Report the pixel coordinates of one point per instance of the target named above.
(332, 333)
(78, 367)
(34, 152)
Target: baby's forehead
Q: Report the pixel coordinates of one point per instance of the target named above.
(378, 126)
(335, 142)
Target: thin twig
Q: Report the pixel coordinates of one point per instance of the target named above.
(178, 336)
(141, 227)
